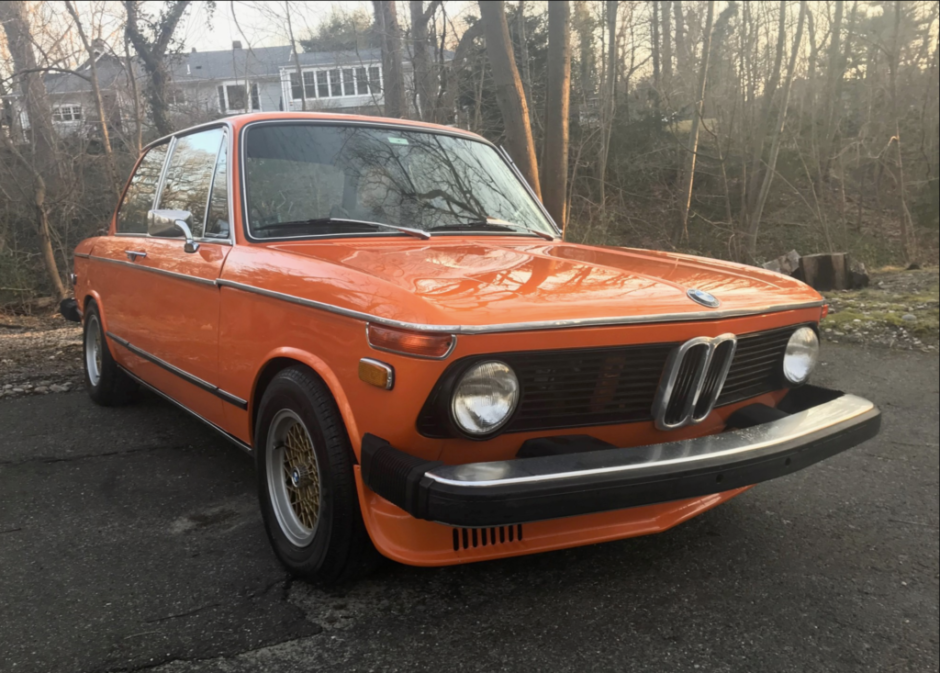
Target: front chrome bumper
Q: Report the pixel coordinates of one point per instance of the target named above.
(534, 489)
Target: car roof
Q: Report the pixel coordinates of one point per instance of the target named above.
(237, 122)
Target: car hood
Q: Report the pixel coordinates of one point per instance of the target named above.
(491, 282)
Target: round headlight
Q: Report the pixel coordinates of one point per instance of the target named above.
(802, 355)
(485, 398)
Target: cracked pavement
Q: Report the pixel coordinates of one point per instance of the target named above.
(130, 540)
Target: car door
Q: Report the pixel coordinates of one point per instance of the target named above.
(118, 284)
(176, 331)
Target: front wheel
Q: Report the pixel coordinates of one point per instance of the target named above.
(306, 485)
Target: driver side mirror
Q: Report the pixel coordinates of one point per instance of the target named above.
(172, 224)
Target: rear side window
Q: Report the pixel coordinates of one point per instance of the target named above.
(138, 200)
(189, 176)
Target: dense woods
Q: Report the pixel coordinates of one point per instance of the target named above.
(738, 130)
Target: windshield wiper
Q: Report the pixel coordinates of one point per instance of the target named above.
(493, 224)
(320, 221)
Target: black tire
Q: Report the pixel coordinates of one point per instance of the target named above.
(336, 548)
(107, 384)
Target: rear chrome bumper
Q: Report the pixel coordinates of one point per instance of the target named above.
(551, 487)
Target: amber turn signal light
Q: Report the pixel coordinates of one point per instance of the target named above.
(824, 312)
(377, 373)
(410, 343)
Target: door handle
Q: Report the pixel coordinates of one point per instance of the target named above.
(134, 254)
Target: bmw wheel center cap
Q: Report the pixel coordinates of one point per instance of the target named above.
(704, 298)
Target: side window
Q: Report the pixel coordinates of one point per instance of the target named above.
(138, 200)
(189, 176)
(217, 224)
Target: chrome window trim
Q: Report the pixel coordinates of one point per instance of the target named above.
(170, 140)
(697, 316)
(163, 272)
(143, 153)
(186, 376)
(671, 373)
(453, 345)
(759, 440)
(232, 438)
(456, 133)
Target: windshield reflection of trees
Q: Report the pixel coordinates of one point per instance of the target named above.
(419, 180)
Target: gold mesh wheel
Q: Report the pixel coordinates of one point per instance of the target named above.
(293, 477)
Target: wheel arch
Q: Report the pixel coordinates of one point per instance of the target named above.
(282, 358)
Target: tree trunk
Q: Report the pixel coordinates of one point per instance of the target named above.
(153, 56)
(555, 167)
(386, 16)
(762, 129)
(776, 137)
(609, 100)
(138, 120)
(423, 76)
(296, 56)
(835, 73)
(681, 231)
(654, 47)
(42, 162)
(99, 103)
(449, 99)
(681, 56)
(509, 94)
(894, 62)
(525, 72)
(667, 45)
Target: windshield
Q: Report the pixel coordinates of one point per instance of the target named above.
(313, 180)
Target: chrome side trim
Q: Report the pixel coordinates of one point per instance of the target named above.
(667, 388)
(81, 255)
(162, 272)
(453, 345)
(520, 326)
(186, 376)
(757, 441)
(232, 438)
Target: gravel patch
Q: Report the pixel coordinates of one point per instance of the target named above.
(39, 355)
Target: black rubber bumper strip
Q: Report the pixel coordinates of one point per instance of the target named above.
(536, 489)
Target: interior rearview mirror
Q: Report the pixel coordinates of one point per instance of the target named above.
(172, 224)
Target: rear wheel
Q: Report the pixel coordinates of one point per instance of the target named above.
(306, 485)
(106, 383)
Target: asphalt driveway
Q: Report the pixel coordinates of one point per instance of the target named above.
(130, 539)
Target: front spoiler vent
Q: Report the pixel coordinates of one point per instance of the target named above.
(473, 538)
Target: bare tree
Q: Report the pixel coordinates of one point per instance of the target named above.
(555, 166)
(609, 100)
(456, 66)
(509, 93)
(153, 53)
(386, 20)
(423, 74)
(42, 163)
(667, 44)
(894, 61)
(682, 230)
(775, 139)
(99, 102)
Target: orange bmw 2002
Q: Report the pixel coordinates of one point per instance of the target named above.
(384, 315)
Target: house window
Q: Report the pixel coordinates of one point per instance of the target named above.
(235, 97)
(296, 90)
(362, 79)
(336, 89)
(310, 84)
(334, 83)
(69, 112)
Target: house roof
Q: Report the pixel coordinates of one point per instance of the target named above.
(258, 62)
(202, 66)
